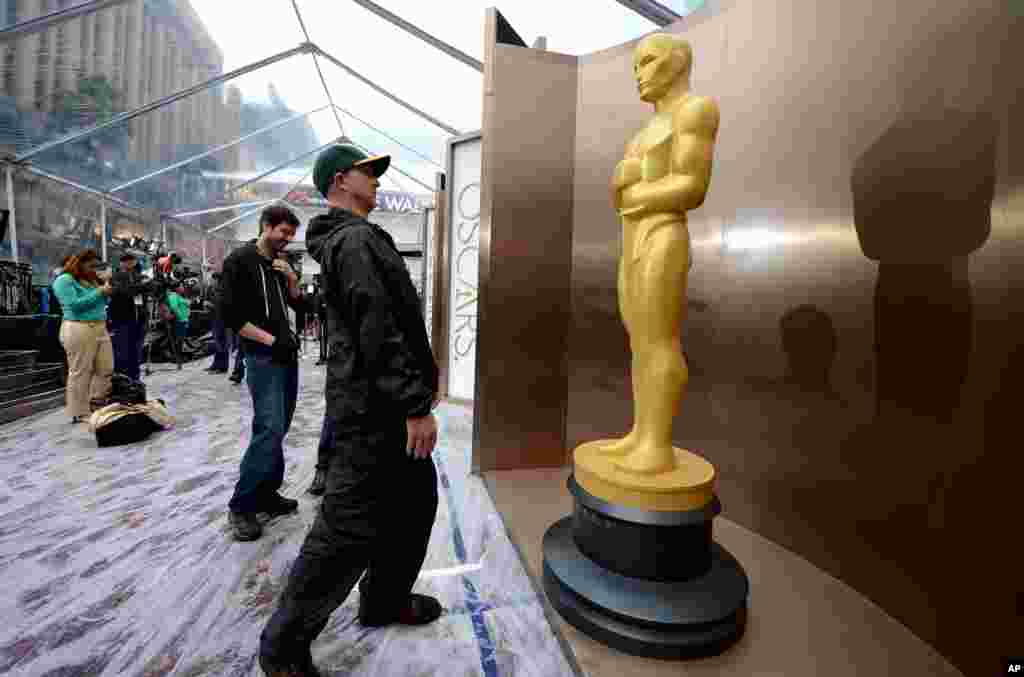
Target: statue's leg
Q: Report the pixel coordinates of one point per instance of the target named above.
(625, 445)
(658, 309)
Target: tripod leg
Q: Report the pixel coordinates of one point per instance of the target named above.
(175, 348)
(147, 349)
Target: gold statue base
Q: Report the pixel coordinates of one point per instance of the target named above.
(690, 485)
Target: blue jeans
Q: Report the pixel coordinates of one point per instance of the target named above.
(127, 338)
(274, 389)
(221, 346)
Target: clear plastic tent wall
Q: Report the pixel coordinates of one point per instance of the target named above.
(201, 116)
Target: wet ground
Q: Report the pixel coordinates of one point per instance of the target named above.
(119, 562)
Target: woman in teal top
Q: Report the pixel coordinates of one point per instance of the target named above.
(179, 308)
(83, 333)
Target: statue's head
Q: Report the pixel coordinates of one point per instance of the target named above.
(660, 60)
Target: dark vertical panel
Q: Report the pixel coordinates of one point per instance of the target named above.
(505, 34)
(442, 283)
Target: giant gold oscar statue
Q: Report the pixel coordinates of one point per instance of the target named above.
(664, 174)
(635, 566)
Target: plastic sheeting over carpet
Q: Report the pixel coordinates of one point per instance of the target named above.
(118, 561)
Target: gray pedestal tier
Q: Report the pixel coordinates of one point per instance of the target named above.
(648, 583)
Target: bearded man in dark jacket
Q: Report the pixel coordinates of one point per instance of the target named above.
(381, 498)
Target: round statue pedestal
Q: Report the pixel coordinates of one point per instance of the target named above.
(648, 583)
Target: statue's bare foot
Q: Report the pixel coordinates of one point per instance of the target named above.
(618, 448)
(648, 459)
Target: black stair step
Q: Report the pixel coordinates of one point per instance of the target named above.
(25, 359)
(42, 373)
(35, 404)
(15, 394)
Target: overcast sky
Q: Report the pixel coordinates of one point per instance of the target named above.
(398, 62)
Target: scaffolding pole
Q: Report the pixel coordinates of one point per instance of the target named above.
(103, 229)
(424, 258)
(12, 222)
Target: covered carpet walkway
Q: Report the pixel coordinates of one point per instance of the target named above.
(118, 561)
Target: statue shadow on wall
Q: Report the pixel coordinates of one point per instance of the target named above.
(922, 199)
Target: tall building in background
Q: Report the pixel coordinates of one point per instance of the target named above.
(86, 69)
(145, 49)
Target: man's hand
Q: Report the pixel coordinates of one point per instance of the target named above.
(422, 436)
(282, 266)
(285, 350)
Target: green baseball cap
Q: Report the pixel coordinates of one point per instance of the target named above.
(342, 157)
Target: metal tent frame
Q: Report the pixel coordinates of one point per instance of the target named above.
(21, 162)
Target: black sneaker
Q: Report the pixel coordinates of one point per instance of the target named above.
(319, 485)
(421, 610)
(279, 505)
(245, 526)
(273, 669)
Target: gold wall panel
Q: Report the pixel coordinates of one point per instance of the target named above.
(525, 256)
(855, 330)
(856, 316)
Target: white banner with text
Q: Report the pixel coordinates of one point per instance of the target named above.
(464, 264)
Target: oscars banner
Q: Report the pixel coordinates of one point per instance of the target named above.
(464, 263)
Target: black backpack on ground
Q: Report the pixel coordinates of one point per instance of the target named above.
(126, 430)
(126, 390)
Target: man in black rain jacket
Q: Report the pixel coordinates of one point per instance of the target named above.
(127, 314)
(381, 499)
